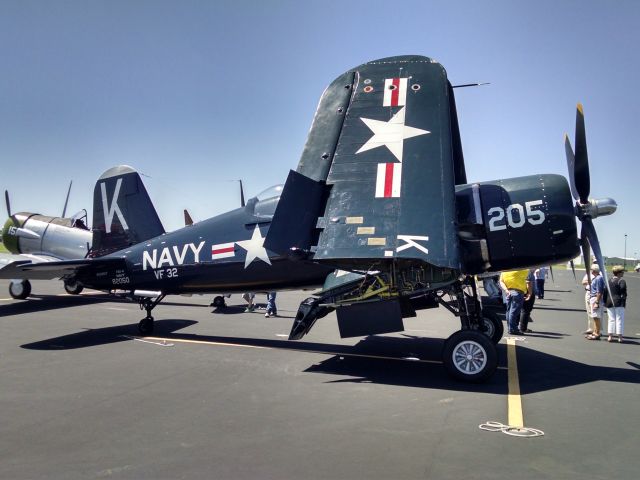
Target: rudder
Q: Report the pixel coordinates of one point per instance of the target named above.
(123, 213)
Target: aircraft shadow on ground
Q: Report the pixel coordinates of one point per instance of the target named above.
(104, 336)
(538, 371)
(558, 309)
(39, 303)
(401, 361)
(238, 309)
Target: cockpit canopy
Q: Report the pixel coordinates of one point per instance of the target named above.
(267, 201)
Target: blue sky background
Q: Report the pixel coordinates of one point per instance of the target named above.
(195, 94)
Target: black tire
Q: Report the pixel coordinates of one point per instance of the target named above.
(145, 327)
(73, 288)
(495, 327)
(20, 289)
(218, 302)
(470, 356)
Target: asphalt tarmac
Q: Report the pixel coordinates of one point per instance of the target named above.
(225, 395)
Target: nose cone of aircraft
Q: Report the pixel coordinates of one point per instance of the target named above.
(603, 206)
(9, 238)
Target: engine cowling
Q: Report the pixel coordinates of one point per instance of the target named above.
(516, 223)
(27, 232)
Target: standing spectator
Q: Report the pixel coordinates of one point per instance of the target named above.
(514, 284)
(541, 275)
(272, 310)
(587, 303)
(597, 305)
(248, 297)
(527, 306)
(616, 303)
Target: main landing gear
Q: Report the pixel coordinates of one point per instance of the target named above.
(470, 353)
(145, 327)
(20, 289)
(72, 287)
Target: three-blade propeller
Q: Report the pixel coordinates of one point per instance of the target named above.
(16, 231)
(586, 209)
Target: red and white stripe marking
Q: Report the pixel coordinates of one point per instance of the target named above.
(388, 180)
(223, 250)
(395, 92)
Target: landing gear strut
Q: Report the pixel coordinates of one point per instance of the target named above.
(145, 327)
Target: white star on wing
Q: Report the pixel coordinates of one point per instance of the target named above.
(254, 248)
(391, 134)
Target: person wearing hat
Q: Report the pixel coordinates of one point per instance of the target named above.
(597, 305)
(616, 303)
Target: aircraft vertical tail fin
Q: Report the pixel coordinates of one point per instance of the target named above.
(123, 214)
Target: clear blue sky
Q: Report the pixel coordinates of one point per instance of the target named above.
(195, 94)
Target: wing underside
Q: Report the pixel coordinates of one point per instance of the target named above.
(379, 155)
(43, 269)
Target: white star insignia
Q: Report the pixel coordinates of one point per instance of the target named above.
(391, 134)
(254, 248)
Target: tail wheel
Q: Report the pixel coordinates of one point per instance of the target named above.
(145, 327)
(20, 289)
(73, 288)
(218, 302)
(470, 356)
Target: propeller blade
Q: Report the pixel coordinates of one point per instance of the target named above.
(26, 233)
(64, 210)
(573, 269)
(6, 199)
(587, 226)
(586, 253)
(242, 203)
(581, 168)
(571, 165)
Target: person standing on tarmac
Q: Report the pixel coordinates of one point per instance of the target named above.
(540, 276)
(616, 303)
(527, 306)
(597, 305)
(514, 284)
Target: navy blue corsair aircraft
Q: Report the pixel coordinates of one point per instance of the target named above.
(379, 211)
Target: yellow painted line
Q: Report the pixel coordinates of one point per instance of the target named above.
(516, 418)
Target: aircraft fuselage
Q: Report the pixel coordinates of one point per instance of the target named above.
(222, 254)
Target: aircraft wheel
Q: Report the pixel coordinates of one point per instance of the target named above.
(470, 356)
(73, 288)
(494, 327)
(145, 327)
(20, 289)
(218, 302)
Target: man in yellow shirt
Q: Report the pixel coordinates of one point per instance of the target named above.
(514, 284)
